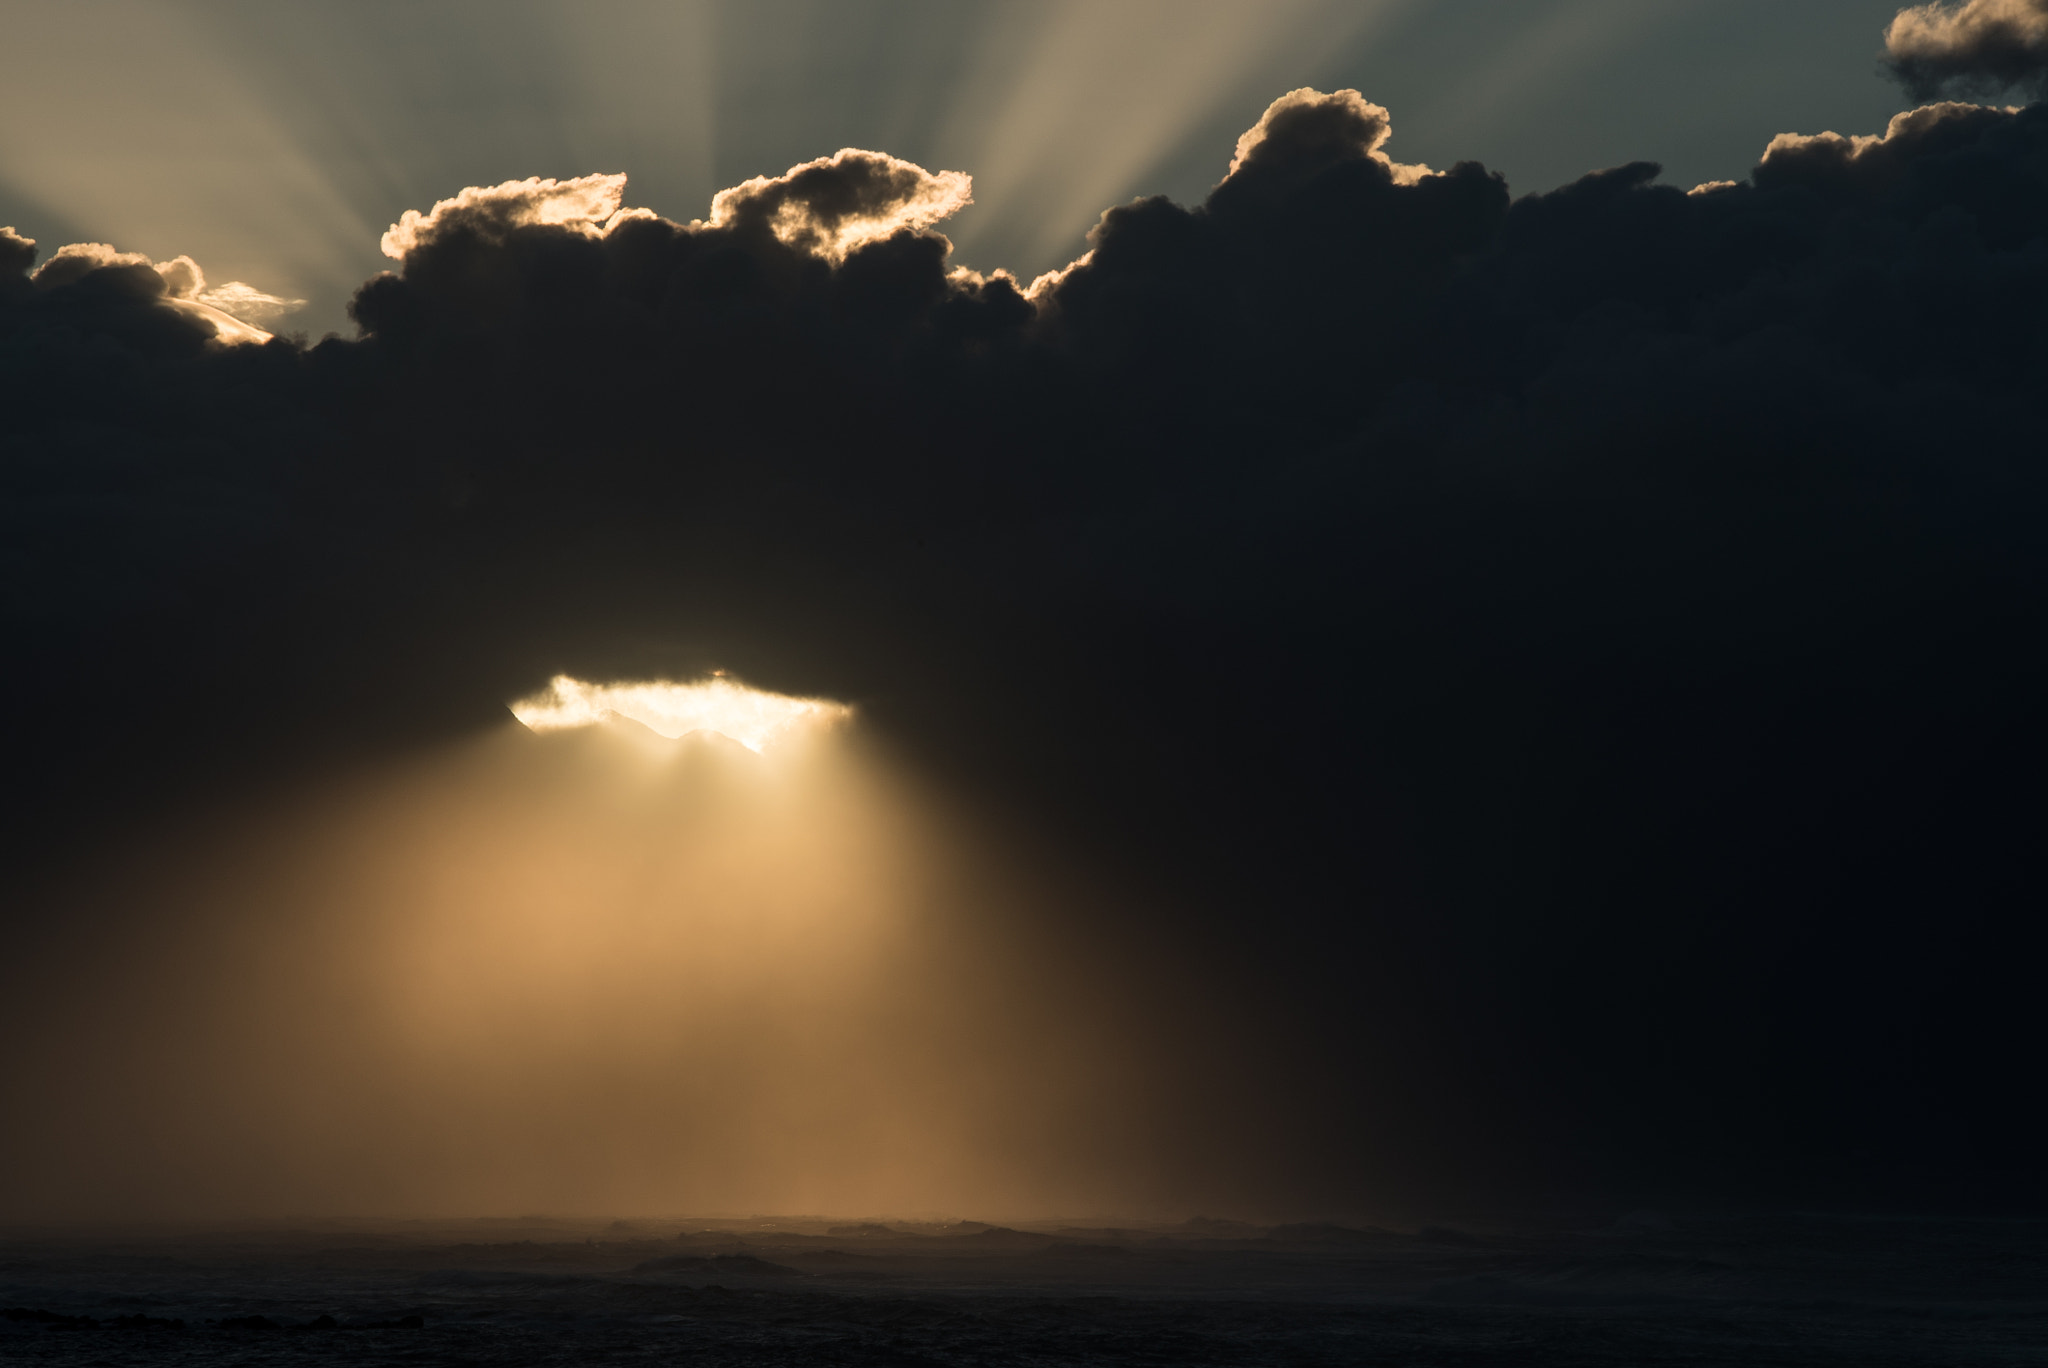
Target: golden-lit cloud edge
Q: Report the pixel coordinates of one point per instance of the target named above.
(755, 718)
(232, 310)
(829, 207)
(1978, 46)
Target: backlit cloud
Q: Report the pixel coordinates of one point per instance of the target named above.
(17, 253)
(1801, 155)
(133, 123)
(836, 204)
(828, 207)
(1065, 106)
(246, 302)
(583, 204)
(1976, 46)
(755, 718)
(232, 310)
(1311, 129)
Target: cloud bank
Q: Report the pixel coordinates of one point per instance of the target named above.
(1568, 660)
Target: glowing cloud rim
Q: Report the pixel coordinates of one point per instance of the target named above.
(755, 718)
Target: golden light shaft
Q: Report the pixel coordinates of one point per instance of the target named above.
(537, 973)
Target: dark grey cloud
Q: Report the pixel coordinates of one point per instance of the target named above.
(1306, 131)
(1585, 637)
(1970, 47)
(17, 254)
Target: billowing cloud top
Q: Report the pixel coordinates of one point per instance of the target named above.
(584, 204)
(1972, 46)
(828, 207)
(837, 204)
(231, 311)
(1794, 155)
(1307, 130)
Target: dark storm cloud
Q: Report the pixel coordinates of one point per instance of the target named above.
(1970, 47)
(1587, 641)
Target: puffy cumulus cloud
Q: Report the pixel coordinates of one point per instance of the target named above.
(1308, 267)
(1305, 130)
(229, 312)
(1972, 46)
(837, 204)
(584, 204)
(1047, 281)
(1679, 551)
(181, 276)
(1903, 145)
(76, 260)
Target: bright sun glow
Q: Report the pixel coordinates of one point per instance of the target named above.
(752, 717)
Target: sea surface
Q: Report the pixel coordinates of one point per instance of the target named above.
(1648, 1289)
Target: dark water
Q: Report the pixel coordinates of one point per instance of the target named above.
(1647, 1290)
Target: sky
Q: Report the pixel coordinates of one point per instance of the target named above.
(274, 142)
(1380, 683)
